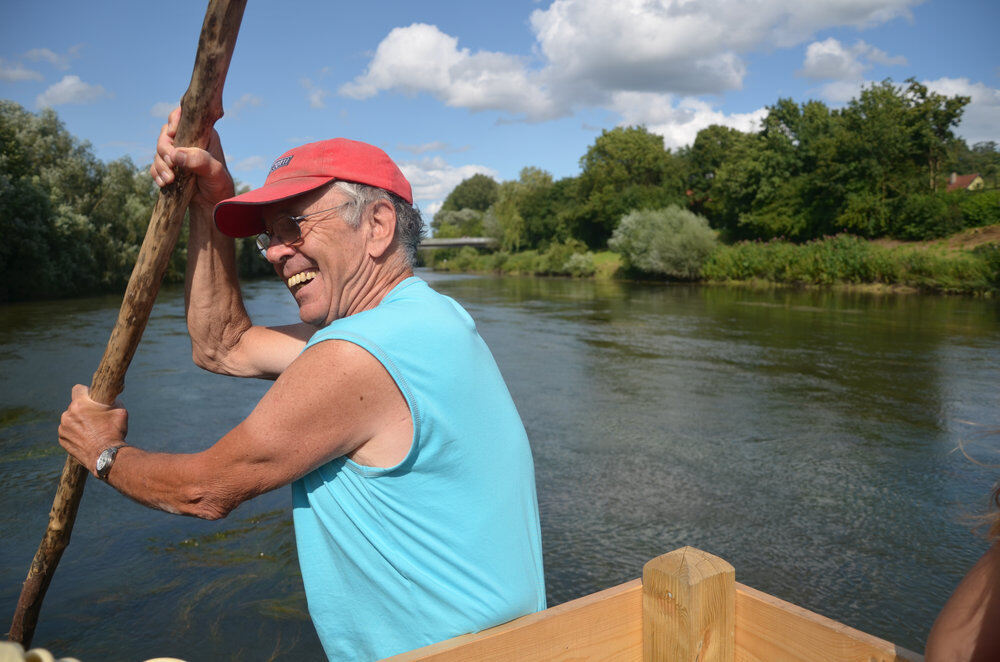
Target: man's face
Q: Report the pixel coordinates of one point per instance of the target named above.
(326, 267)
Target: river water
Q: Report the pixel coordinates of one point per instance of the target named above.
(809, 438)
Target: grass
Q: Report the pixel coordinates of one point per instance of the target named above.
(848, 260)
(967, 263)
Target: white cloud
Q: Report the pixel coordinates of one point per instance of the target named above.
(678, 123)
(71, 90)
(314, 94)
(161, 109)
(246, 101)
(589, 51)
(14, 72)
(981, 120)
(46, 55)
(421, 58)
(842, 91)
(831, 60)
(683, 47)
(434, 178)
(250, 163)
(435, 146)
(430, 209)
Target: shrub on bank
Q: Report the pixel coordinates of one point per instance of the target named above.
(570, 258)
(848, 259)
(671, 242)
(923, 216)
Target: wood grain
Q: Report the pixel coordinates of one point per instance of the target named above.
(769, 629)
(688, 607)
(602, 626)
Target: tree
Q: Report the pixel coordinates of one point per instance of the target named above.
(48, 181)
(934, 118)
(477, 192)
(712, 147)
(626, 168)
(462, 223)
(503, 221)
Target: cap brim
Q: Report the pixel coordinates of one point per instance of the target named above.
(240, 216)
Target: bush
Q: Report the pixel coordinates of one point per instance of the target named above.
(671, 242)
(922, 216)
(580, 264)
(979, 208)
(553, 260)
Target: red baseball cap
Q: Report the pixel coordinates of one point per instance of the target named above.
(305, 168)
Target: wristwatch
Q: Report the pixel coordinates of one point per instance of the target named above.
(106, 460)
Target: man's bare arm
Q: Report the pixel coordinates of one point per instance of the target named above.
(336, 399)
(966, 629)
(223, 338)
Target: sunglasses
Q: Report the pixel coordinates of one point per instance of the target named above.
(286, 230)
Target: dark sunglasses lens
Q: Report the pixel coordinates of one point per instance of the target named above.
(285, 231)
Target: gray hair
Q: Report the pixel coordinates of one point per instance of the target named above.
(409, 224)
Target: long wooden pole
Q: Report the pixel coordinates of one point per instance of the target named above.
(201, 108)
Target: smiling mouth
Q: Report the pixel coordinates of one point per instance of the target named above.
(300, 278)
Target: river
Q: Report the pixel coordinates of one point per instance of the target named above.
(810, 438)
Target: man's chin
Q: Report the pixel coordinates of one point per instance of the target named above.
(312, 317)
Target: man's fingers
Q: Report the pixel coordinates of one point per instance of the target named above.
(195, 160)
(161, 172)
(173, 119)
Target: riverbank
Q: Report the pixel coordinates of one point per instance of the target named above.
(965, 263)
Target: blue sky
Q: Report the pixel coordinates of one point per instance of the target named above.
(454, 88)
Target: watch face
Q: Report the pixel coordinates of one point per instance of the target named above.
(105, 460)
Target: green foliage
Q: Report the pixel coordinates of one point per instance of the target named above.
(570, 258)
(849, 259)
(72, 225)
(990, 255)
(926, 216)
(477, 192)
(580, 265)
(462, 223)
(670, 242)
(462, 211)
(626, 168)
(978, 208)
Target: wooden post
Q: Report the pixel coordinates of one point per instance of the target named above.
(688, 608)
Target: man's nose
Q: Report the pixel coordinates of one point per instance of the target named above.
(278, 251)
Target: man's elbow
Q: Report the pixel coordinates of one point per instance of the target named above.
(204, 360)
(211, 359)
(209, 503)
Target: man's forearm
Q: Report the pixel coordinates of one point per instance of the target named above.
(216, 316)
(172, 482)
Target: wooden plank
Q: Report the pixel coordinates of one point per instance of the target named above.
(688, 608)
(602, 626)
(769, 629)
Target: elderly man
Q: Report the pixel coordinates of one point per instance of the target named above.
(413, 488)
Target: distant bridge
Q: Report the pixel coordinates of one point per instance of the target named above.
(477, 242)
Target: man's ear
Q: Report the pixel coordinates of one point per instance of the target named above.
(382, 227)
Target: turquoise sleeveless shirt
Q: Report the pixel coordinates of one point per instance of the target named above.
(447, 541)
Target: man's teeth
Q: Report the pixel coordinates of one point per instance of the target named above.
(301, 278)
